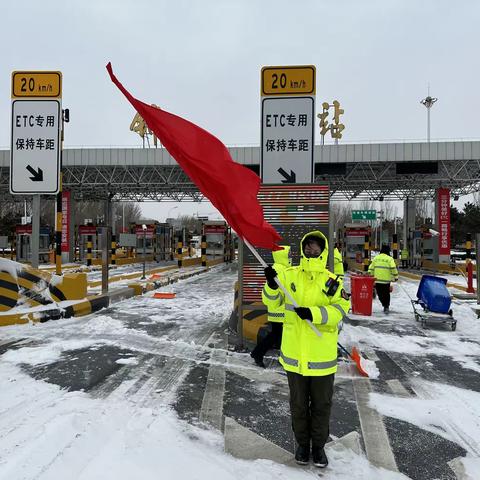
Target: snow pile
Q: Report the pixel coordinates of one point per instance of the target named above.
(472, 467)
(370, 367)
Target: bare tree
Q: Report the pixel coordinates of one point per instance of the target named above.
(126, 213)
(191, 223)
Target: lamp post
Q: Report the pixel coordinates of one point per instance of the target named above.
(144, 228)
(172, 208)
(428, 101)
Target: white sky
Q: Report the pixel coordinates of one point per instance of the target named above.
(202, 60)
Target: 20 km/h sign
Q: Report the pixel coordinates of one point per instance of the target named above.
(35, 146)
(293, 80)
(36, 84)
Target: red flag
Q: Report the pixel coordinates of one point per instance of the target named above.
(231, 187)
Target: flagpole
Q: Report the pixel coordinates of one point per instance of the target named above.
(277, 281)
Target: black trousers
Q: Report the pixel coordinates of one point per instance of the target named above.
(274, 337)
(383, 292)
(310, 406)
(404, 263)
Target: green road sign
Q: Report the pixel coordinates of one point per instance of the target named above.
(364, 214)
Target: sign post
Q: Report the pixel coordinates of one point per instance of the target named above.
(287, 130)
(35, 149)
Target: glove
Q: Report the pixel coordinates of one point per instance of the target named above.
(270, 275)
(304, 313)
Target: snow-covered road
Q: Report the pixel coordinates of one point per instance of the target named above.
(123, 394)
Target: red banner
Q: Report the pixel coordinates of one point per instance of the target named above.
(357, 233)
(66, 221)
(87, 230)
(149, 232)
(23, 229)
(443, 220)
(213, 229)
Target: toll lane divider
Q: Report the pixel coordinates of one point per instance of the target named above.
(95, 303)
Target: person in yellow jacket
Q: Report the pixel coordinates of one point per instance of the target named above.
(404, 257)
(384, 269)
(281, 260)
(338, 263)
(309, 358)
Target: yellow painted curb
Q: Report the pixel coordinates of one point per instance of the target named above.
(129, 276)
(413, 276)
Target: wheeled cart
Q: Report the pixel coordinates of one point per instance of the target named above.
(433, 302)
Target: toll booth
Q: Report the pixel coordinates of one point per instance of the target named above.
(354, 235)
(147, 236)
(165, 242)
(86, 232)
(215, 232)
(24, 246)
(429, 246)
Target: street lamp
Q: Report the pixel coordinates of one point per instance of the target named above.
(144, 228)
(172, 208)
(428, 102)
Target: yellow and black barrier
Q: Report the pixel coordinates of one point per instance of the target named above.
(8, 292)
(254, 317)
(113, 253)
(204, 250)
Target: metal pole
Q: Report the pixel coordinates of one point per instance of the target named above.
(144, 252)
(35, 238)
(105, 251)
(58, 227)
(428, 125)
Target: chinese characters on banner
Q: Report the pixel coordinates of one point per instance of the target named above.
(66, 221)
(443, 220)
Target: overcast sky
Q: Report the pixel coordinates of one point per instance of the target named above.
(202, 60)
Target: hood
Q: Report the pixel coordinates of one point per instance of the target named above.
(282, 256)
(318, 264)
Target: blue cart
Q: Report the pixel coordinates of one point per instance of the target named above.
(433, 302)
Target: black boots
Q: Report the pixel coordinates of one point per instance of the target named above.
(258, 360)
(302, 455)
(319, 457)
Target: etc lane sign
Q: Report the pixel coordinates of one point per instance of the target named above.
(36, 129)
(287, 130)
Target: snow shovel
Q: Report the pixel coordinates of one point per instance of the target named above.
(355, 356)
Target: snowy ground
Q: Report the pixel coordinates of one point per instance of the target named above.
(123, 394)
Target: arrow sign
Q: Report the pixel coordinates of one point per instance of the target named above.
(288, 178)
(37, 175)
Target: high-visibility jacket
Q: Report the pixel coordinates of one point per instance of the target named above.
(383, 268)
(338, 263)
(281, 259)
(313, 286)
(404, 254)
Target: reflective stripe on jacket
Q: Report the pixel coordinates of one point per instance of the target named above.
(302, 351)
(281, 259)
(383, 268)
(404, 254)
